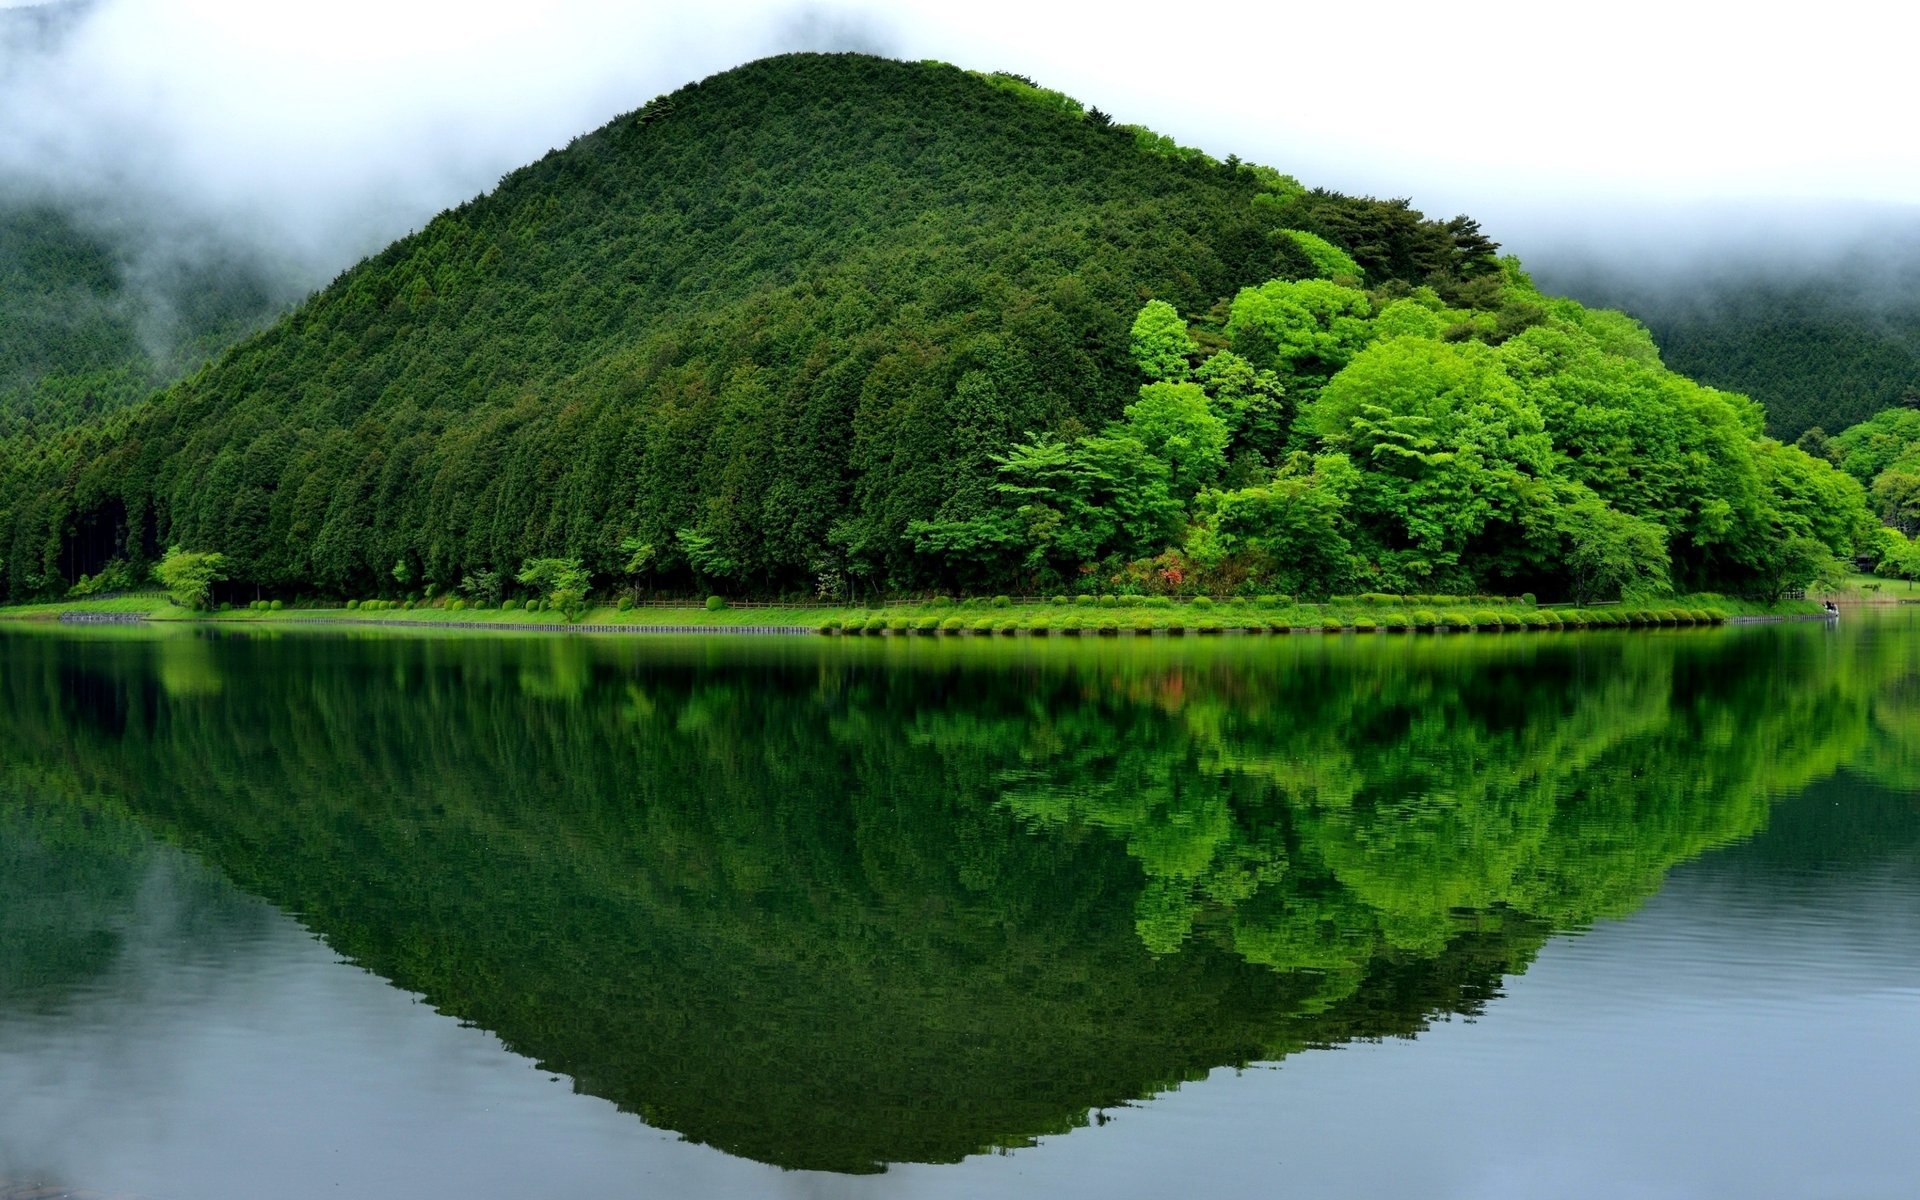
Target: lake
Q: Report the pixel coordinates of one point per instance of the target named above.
(320, 913)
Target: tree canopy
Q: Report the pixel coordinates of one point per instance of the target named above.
(831, 317)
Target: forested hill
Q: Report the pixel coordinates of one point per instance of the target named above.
(840, 322)
(83, 333)
(1823, 348)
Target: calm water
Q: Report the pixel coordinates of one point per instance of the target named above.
(303, 914)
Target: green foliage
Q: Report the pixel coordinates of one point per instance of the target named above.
(1162, 348)
(1610, 554)
(189, 575)
(716, 603)
(1816, 350)
(564, 582)
(1329, 261)
(928, 374)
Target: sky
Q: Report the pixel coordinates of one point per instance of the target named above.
(313, 133)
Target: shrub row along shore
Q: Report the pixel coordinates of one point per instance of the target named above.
(989, 616)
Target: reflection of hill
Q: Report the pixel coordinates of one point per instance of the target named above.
(833, 905)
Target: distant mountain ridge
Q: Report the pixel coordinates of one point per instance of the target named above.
(1819, 343)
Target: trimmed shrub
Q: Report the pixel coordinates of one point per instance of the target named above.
(1208, 625)
(716, 603)
(1395, 622)
(1332, 625)
(952, 625)
(1574, 620)
(1083, 602)
(352, 605)
(926, 624)
(983, 625)
(509, 606)
(624, 604)
(1535, 619)
(1202, 602)
(1107, 600)
(456, 605)
(1280, 624)
(1486, 619)
(898, 625)
(1528, 599)
(830, 625)
(1003, 601)
(1364, 625)
(874, 623)
(1425, 618)
(1058, 600)
(1156, 601)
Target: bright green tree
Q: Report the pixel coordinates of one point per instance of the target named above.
(189, 575)
(1610, 554)
(1161, 345)
(562, 582)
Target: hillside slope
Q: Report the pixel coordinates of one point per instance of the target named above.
(834, 322)
(82, 334)
(1825, 347)
(787, 309)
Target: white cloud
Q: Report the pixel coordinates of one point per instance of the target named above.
(317, 131)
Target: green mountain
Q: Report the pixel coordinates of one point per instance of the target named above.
(83, 334)
(836, 322)
(1818, 349)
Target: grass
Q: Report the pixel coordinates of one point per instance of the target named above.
(995, 617)
(1872, 589)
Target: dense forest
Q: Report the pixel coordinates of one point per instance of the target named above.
(84, 332)
(834, 324)
(1821, 349)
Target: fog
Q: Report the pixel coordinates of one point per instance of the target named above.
(302, 136)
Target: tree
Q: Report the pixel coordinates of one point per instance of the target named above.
(1161, 344)
(563, 581)
(482, 585)
(1897, 493)
(1799, 562)
(1815, 442)
(1177, 425)
(189, 575)
(1610, 554)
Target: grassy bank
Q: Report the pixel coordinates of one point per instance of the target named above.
(999, 616)
(1857, 588)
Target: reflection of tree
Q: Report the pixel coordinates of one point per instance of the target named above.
(1339, 806)
(838, 904)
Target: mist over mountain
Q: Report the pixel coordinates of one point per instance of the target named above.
(1814, 310)
(205, 154)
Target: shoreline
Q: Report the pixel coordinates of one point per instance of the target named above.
(978, 618)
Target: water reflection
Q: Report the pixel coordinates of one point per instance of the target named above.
(835, 905)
